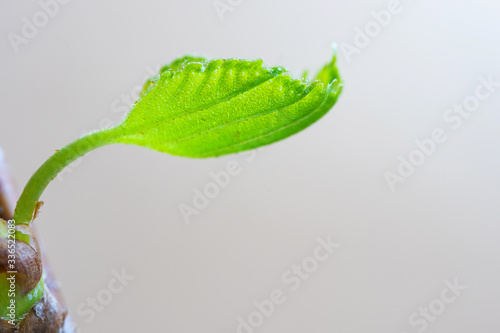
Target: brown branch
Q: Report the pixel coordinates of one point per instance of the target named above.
(8, 196)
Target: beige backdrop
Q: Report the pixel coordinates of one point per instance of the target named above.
(422, 256)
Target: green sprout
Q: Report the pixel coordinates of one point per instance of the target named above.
(200, 108)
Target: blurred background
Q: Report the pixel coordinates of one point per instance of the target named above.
(402, 175)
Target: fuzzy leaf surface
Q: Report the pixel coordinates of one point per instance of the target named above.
(204, 108)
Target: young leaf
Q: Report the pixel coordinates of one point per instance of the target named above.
(201, 108)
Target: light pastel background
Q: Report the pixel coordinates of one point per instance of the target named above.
(119, 208)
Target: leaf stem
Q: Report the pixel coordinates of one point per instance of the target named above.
(28, 200)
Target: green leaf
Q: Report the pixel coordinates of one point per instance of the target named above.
(200, 108)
